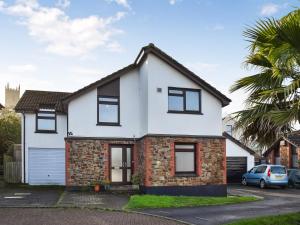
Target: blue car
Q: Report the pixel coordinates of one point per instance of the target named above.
(266, 175)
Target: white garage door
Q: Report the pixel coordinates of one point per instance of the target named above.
(46, 166)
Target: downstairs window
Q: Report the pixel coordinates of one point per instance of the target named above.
(185, 162)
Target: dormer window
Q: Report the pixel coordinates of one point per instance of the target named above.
(184, 100)
(46, 121)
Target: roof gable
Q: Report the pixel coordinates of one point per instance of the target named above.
(139, 61)
(293, 138)
(237, 142)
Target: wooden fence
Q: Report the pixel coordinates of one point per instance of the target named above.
(12, 172)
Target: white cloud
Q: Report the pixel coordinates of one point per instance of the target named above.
(218, 27)
(269, 9)
(26, 68)
(63, 3)
(123, 3)
(173, 2)
(63, 35)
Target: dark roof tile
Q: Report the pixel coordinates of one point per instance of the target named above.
(32, 100)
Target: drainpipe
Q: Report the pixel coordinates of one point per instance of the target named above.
(24, 156)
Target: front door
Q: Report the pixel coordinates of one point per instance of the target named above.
(120, 164)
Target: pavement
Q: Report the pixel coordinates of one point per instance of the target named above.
(93, 200)
(51, 204)
(72, 216)
(57, 197)
(276, 201)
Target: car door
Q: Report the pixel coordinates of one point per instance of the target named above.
(257, 174)
(250, 175)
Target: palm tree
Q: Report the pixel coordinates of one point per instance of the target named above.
(273, 104)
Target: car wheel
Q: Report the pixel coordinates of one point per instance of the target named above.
(291, 184)
(262, 184)
(244, 181)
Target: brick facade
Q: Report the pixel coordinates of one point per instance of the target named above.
(87, 161)
(285, 153)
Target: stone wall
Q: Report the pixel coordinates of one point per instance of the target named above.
(160, 162)
(87, 161)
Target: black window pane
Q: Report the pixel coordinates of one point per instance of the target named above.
(192, 100)
(176, 103)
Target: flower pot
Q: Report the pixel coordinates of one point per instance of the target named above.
(97, 188)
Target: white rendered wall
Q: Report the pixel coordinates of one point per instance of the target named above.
(42, 140)
(233, 149)
(161, 75)
(83, 112)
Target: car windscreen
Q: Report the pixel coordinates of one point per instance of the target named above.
(278, 170)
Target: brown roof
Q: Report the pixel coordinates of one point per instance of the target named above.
(293, 138)
(151, 48)
(32, 100)
(228, 136)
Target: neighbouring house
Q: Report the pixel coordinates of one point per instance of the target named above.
(239, 157)
(154, 118)
(285, 151)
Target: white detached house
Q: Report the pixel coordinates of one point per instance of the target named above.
(153, 118)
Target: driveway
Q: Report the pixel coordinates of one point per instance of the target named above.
(29, 197)
(276, 201)
(55, 216)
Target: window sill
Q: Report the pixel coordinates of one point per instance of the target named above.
(109, 124)
(45, 132)
(185, 112)
(185, 175)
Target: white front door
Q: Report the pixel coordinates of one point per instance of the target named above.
(120, 164)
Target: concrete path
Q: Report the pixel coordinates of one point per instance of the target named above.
(93, 200)
(51, 216)
(276, 202)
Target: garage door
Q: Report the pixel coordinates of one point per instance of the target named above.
(236, 167)
(46, 166)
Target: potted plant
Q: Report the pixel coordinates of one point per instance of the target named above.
(136, 180)
(97, 186)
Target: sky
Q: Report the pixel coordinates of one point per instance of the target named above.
(63, 45)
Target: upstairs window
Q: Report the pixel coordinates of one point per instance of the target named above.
(183, 100)
(108, 110)
(46, 121)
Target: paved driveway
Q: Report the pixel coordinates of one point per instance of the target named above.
(29, 197)
(51, 216)
(276, 201)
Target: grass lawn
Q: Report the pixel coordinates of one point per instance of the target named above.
(286, 219)
(156, 201)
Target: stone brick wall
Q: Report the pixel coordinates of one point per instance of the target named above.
(285, 156)
(160, 168)
(87, 161)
